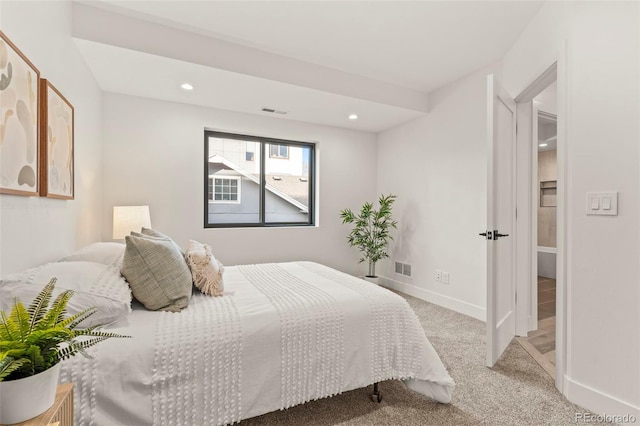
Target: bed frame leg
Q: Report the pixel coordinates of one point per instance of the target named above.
(376, 396)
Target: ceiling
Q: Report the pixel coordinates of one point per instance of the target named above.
(318, 60)
(546, 102)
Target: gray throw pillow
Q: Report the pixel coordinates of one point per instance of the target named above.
(153, 233)
(157, 273)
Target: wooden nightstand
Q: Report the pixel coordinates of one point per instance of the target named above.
(60, 413)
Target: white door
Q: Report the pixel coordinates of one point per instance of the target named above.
(501, 293)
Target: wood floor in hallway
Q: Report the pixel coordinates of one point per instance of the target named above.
(541, 343)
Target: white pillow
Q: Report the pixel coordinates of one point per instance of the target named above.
(105, 253)
(205, 269)
(93, 284)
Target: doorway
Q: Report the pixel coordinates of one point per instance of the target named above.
(524, 285)
(540, 342)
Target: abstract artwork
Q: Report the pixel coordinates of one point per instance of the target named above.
(56, 148)
(18, 121)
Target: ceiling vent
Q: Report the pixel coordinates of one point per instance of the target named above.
(274, 111)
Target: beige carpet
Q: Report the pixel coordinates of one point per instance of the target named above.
(516, 391)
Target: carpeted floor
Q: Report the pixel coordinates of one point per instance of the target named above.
(516, 391)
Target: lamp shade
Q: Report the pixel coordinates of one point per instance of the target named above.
(129, 218)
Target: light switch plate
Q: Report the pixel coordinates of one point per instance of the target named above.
(602, 203)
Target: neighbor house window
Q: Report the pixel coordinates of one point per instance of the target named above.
(258, 181)
(224, 189)
(279, 151)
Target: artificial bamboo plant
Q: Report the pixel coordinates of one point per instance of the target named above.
(36, 338)
(371, 231)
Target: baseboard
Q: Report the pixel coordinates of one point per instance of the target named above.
(600, 403)
(460, 306)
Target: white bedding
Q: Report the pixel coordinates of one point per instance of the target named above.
(283, 334)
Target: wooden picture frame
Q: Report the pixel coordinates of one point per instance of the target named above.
(19, 122)
(56, 143)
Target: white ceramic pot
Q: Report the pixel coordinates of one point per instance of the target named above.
(374, 280)
(24, 399)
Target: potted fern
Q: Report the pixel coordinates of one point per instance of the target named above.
(33, 342)
(370, 233)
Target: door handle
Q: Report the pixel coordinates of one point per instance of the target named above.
(497, 235)
(488, 235)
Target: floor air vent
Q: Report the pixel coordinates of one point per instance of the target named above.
(403, 269)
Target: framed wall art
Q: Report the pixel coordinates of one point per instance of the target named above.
(19, 119)
(56, 145)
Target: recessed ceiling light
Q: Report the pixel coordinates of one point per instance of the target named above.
(353, 116)
(186, 86)
(543, 145)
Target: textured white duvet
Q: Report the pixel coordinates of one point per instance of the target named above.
(283, 334)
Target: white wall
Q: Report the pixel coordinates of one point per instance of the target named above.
(603, 153)
(35, 230)
(436, 165)
(154, 154)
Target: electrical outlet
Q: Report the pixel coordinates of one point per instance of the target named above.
(445, 278)
(438, 275)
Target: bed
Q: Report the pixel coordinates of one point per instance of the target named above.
(281, 335)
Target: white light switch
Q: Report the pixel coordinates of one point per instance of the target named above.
(602, 203)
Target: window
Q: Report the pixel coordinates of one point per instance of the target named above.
(224, 189)
(273, 188)
(278, 151)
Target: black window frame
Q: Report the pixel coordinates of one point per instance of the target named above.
(262, 143)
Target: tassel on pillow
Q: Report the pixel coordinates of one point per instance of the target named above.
(206, 270)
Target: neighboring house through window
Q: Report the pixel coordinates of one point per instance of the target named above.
(278, 151)
(258, 181)
(224, 189)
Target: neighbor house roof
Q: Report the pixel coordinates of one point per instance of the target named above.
(276, 190)
(297, 187)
